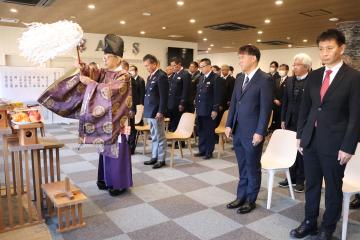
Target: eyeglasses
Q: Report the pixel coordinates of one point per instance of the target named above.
(203, 66)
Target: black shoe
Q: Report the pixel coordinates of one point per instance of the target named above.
(116, 192)
(199, 154)
(304, 229)
(151, 161)
(355, 204)
(235, 204)
(246, 208)
(324, 235)
(299, 188)
(285, 183)
(101, 185)
(206, 157)
(159, 164)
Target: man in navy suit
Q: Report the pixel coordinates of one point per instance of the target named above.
(208, 97)
(248, 118)
(155, 105)
(328, 133)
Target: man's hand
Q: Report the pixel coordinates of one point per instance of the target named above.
(228, 132)
(181, 108)
(344, 157)
(300, 149)
(277, 102)
(159, 117)
(213, 115)
(131, 114)
(257, 138)
(282, 125)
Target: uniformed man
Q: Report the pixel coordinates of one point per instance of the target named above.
(208, 96)
(195, 77)
(155, 105)
(179, 93)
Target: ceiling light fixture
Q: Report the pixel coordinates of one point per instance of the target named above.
(289, 45)
(288, 38)
(260, 32)
(259, 40)
(305, 40)
(333, 19)
(192, 20)
(211, 45)
(209, 48)
(267, 21)
(163, 28)
(180, 3)
(205, 39)
(91, 6)
(13, 10)
(200, 31)
(279, 2)
(146, 14)
(122, 22)
(142, 32)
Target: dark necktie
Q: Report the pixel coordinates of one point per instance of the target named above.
(246, 82)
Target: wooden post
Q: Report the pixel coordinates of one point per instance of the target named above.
(28, 189)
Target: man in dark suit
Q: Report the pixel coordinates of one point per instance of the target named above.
(248, 118)
(140, 83)
(328, 133)
(155, 105)
(195, 77)
(290, 112)
(208, 96)
(280, 85)
(229, 85)
(179, 93)
(273, 70)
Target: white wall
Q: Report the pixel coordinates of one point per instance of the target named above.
(267, 56)
(9, 54)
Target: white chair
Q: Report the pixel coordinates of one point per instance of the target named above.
(351, 186)
(183, 132)
(220, 131)
(279, 155)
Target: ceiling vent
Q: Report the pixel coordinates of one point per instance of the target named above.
(275, 43)
(316, 13)
(9, 20)
(230, 26)
(39, 3)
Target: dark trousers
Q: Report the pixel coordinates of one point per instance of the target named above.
(206, 131)
(276, 118)
(174, 116)
(132, 136)
(318, 166)
(248, 158)
(297, 170)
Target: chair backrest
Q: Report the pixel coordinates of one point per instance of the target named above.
(139, 113)
(281, 147)
(224, 117)
(186, 125)
(352, 169)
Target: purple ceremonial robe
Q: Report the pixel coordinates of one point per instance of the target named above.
(116, 174)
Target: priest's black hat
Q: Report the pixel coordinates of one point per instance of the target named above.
(113, 44)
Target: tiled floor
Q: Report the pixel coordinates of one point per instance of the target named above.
(186, 202)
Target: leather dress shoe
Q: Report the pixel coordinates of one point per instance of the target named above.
(116, 192)
(101, 185)
(304, 230)
(355, 204)
(246, 208)
(235, 204)
(199, 154)
(324, 235)
(151, 161)
(159, 164)
(206, 157)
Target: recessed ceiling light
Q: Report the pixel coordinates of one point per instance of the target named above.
(13, 10)
(91, 6)
(146, 14)
(279, 2)
(289, 45)
(259, 40)
(163, 28)
(142, 32)
(305, 40)
(207, 51)
(192, 20)
(180, 3)
(211, 45)
(209, 48)
(122, 22)
(200, 31)
(267, 21)
(333, 19)
(288, 38)
(205, 39)
(260, 32)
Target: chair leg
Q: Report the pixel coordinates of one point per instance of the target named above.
(189, 146)
(291, 190)
(219, 145)
(145, 136)
(346, 203)
(181, 151)
(172, 153)
(271, 173)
